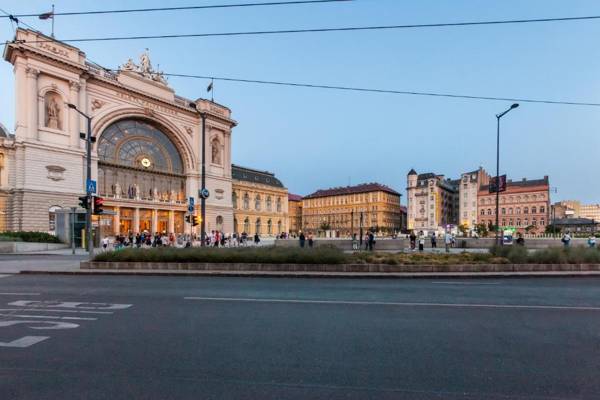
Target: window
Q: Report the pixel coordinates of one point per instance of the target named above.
(269, 204)
(504, 211)
(542, 209)
(234, 199)
(525, 210)
(518, 211)
(246, 202)
(518, 221)
(542, 222)
(510, 210)
(257, 202)
(257, 227)
(533, 222)
(489, 211)
(482, 211)
(510, 222)
(533, 210)
(269, 227)
(247, 225)
(278, 204)
(526, 222)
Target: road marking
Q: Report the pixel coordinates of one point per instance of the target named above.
(46, 310)
(69, 304)
(466, 283)
(385, 303)
(19, 294)
(25, 341)
(49, 317)
(47, 324)
(4, 276)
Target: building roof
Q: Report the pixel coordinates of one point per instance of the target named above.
(412, 172)
(362, 188)
(255, 176)
(4, 132)
(574, 221)
(522, 183)
(427, 175)
(294, 197)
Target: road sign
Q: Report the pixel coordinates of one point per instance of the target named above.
(191, 201)
(90, 186)
(204, 193)
(191, 208)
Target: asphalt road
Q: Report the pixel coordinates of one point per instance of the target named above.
(127, 337)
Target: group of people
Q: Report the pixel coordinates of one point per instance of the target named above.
(566, 240)
(147, 240)
(449, 240)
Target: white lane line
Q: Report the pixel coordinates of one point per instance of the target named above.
(385, 303)
(38, 309)
(466, 283)
(25, 341)
(19, 294)
(4, 276)
(48, 317)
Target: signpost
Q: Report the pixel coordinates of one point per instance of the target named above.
(90, 186)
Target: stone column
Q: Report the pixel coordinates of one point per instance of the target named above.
(154, 221)
(32, 102)
(136, 220)
(74, 117)
(116, 221)
(21, 109)
(171, 222)
(82, 105)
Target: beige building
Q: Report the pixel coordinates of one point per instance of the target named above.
(574, 209)
(6, 158)
(343, 211)
(146, 157)
(294, 213)
(260, 202)
(590, 211)
(468, 191)
(432, 201)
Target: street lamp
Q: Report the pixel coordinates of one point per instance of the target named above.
(88, 142)
(498, 116)
(202, 198)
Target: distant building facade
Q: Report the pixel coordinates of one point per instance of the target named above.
(6, 158)
(343, 211)
(260, 202)
(294, 213)
(576, 225)
(524, 204)
(432, 201)
(468, 192)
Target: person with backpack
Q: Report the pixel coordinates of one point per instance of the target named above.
(566, 239)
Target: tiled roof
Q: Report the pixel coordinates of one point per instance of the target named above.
(254, 176)
(428, 175)
(574, 221)
(3, 131)
(362, 188)
(294, 197)
(412, 172)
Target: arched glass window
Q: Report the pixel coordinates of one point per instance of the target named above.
(257, 227)
(279, 230)
(525, 210)
(234, 199)
(269, 227)
(139, 144)
(247, 225)
(279, 204)
(257, 202)
(533, 210)
(542, 209)
(269, 204)
(246, 201)
(518, 210)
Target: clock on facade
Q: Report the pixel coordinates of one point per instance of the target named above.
(146, 163)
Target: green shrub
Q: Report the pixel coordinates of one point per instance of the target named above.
(263, 255)
(551, 255)
(26, 236)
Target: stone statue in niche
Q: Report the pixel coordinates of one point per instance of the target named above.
(53, 118)
(216, 152)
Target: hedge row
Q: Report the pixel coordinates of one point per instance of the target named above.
(25, 236)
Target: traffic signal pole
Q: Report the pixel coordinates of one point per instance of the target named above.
(202, 199)
(88, 214)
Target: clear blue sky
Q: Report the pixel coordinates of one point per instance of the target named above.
(316, 139)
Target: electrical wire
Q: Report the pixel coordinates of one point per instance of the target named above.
(322, 30)
(385, 91)
(139, 10)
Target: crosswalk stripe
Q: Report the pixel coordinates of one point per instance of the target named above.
(4, 276)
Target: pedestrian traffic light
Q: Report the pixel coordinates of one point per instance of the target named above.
(197, 220)
(84, 202)
(98, 204)
(188, 219)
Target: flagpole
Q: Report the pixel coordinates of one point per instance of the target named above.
(53, 16)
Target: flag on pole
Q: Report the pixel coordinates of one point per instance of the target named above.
(210, 86)
(47, 15)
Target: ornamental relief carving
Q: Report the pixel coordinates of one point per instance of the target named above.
(97, 104)
(55, 172)
(53, 106)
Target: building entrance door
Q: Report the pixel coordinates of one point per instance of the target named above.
(146, 221)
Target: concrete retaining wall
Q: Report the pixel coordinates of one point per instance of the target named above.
(28, 247)
(339, 267)
(399, 244)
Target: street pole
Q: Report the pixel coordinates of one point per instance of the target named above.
(361, 230)
(202, 199)
(88, 215)
(498, 116)
(73, 214)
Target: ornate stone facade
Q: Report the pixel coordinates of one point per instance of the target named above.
(295, 213)
(147, 173)
(260, 202)
(343, 211)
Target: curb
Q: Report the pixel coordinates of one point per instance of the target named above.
(335, 275)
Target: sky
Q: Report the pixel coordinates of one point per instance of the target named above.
(316, 138)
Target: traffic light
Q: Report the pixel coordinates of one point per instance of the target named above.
(98, 204)
(84, 202)
(188, 219)
(197, 220)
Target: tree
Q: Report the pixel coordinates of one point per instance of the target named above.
(481, 230)
(463, 229)
(325, 226)
(552, 229)
(529, 228)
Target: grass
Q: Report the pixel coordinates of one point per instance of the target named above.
(331, 255)
(264, 255)
(25, 236)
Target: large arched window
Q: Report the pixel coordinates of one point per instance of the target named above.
(139, 144)
(269, 203)
(279, 204)
(257, 202)
(257, 227)
(246, 201)
(234, 199)
(247, 225)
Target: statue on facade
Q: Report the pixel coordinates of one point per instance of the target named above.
(52, 113)
(145, 65)
(117, 190)
(216, 153)
(145, 68)
(129, 66)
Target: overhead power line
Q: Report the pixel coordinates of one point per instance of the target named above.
(204, 7)
(386, 91)
(321, 30)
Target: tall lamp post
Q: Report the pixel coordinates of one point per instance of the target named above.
(88, 214)
(498, 116)
(203, 188)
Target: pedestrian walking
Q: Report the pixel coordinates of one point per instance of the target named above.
(433, 241)
(310, 240)
(566, 239)
(302, 239)
(448, 241)
(371, 240)
(256, 239)
(592, 241)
